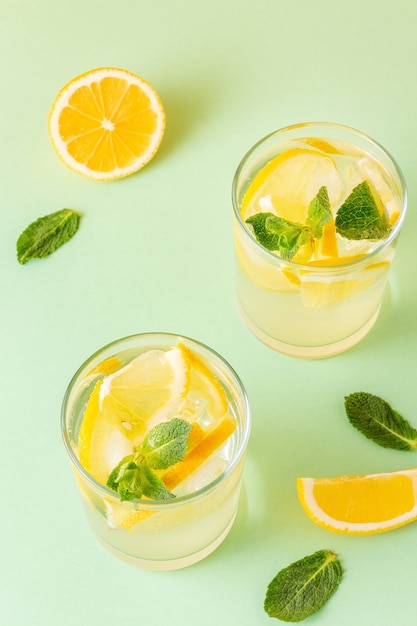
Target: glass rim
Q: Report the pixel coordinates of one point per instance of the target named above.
(153, 504)
(328, 269)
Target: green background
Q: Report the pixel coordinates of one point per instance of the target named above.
(154, 253)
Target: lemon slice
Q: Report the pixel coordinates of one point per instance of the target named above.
(320, 291)
(289, 182)
(206, 391)
(101, 443)
(285, 187)
(361, 505)
(106, 123)
(122, 404)
(133, 394)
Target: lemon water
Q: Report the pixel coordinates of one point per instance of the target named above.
(177, 532)
(320, 303)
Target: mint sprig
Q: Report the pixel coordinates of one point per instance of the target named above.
(277, 234)
(163, 446)
(42, 237)
(375, 419)
(303, 587)
(359, 216)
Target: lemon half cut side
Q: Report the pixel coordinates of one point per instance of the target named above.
(106, 123)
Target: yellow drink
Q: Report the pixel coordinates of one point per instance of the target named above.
(116, 398)
(327, 296)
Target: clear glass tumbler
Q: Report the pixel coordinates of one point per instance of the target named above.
(173, 533)
(317, 307)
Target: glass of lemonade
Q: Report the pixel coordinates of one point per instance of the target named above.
(156, 428)
(318, 208)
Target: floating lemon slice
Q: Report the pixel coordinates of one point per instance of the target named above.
(361, 505)
(285, 187)
(318, 291)
(288, 183)
(106, 123)
(205, 390)
(122, 404)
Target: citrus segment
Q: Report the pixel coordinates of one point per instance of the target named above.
(361, 504)
(106, 123)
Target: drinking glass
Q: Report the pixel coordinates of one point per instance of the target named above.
(173, 533)
(297, 308)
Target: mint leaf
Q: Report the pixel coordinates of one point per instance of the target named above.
(359, 217)
(277, 234)
(263, 236)
(131, 480)
(153, 487)
(319, 213)
(291, 236)
(166, 444)
(375, 419)
(303, 587)
(116, 475)
(46, 234)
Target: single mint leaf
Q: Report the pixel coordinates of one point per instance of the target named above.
(359, 216)
(117, 474)
(127, 480)
(303, 587)
(166, 444)
(375, 419)
(319, 212)
(291, 236)
(263, 236)
(133, 479)
(153, 487)
(46, 234)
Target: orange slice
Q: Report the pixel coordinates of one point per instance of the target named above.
(328, 242)
(106, 123)
(361, 505)
(197, 455)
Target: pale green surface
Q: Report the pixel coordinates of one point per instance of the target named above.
(154, 252)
